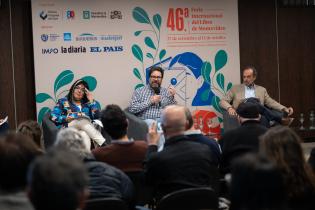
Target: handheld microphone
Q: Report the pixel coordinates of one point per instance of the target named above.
(157, 92)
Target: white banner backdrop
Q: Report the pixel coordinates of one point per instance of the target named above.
(111, 44)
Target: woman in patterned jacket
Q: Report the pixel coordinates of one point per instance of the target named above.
(77, 110)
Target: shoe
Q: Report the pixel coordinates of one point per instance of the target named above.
(272, 123)
(287, 121)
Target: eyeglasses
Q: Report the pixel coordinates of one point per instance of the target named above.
(155, 77)
(79, 88)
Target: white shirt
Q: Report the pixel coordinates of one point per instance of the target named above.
(250, 91)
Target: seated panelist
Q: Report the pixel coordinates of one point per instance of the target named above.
(77, 110)
(249, 91)
(79, 102)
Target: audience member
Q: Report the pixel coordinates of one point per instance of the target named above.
(16, 153)
(258, 95)
(182, 163)
(32, 129)
(243, 139)
(123, 153)
(77, 110)
(256, 184)
(57, 181)
(196, 135)
(105, 180)
(282, 146)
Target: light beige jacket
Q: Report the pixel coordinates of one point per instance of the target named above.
(236, 95)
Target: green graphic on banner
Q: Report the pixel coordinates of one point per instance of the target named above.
(152, 42)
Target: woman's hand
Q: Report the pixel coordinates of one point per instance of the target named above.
(89, 95)
(69, 118)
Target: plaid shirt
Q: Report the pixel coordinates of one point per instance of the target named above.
(142, 106)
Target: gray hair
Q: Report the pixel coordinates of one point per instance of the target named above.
(71, 139)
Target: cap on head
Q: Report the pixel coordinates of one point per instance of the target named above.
(248, 110)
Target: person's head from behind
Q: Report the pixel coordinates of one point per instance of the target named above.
(156, 74)
(256, 184)
(114, 121)
(72, 139)
(248, 111)
(77, 92)
(57, 180)
(189, 119)
(283, 146)
(173, 120)
(249, 75)
(17, 151)
(33, 130)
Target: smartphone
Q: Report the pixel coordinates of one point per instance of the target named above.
(159, 127)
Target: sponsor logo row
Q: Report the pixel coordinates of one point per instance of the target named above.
(82, 49)
(72, 14)
(84, 37)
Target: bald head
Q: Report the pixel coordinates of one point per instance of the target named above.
(173, 120)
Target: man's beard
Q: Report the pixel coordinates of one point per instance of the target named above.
(155, 85)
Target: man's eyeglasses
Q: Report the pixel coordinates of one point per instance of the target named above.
(155, 77)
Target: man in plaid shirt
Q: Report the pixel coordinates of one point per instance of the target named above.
(148, 101)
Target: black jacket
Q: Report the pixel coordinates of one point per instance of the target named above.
(181, 164)
(108, 181)
(239, 141)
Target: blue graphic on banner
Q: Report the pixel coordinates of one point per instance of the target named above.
(67, 36)
(194, 63)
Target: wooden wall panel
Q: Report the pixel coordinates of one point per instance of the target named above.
(23, 60)
(7, 105)
(16, 62)
(296, 58)
(258, 41)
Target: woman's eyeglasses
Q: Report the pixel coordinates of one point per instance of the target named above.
(79, 88)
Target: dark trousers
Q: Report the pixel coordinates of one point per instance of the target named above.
(4, 128)
(266, 113)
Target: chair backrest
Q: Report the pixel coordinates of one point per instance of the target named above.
(137, 128)
(105, 204)
(50, 131)
(143, 192)
(190, 199)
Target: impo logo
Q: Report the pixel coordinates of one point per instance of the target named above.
(49, 51)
